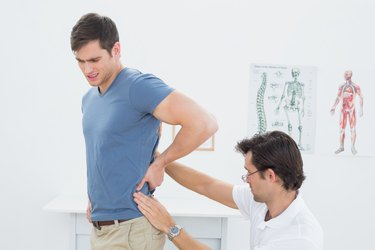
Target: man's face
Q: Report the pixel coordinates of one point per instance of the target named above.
(257, 183)
(97, 65)
(348, 75)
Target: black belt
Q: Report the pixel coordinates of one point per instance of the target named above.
(98, 224)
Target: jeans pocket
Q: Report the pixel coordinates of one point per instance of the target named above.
(158, 239)
(138, 235)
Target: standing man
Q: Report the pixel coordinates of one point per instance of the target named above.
(279, 218)
(121, 119)
(347, 94)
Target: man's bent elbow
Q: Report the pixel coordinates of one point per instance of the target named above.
(211, 126)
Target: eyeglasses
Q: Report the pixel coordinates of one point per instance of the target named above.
(245, 176)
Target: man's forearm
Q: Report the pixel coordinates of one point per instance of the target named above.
(201, 183)
(188, 177)
(185, 242)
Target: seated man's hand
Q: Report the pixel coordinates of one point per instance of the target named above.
(154, 211)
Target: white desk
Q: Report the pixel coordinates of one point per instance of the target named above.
(204, 219)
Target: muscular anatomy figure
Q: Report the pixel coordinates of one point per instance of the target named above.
(293, 98)
(347, 94)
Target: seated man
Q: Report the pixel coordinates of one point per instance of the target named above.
(279, 218)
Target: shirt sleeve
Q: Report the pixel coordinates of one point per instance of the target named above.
(147, 92)
(243, 198)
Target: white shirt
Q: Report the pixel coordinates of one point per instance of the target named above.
(294, 229)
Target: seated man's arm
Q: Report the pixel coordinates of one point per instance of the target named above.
(201, 183)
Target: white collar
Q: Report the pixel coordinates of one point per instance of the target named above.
(285, 217)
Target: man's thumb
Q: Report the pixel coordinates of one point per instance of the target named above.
(141, 184)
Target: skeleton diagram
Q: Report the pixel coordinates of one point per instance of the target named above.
(293, 98)
(347, 93)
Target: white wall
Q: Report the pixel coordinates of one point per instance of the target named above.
(204, 49)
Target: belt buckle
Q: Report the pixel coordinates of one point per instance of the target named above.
(96, 225)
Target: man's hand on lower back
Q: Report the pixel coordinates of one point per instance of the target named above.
(154, 176)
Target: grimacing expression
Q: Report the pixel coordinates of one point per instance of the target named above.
(96, 64)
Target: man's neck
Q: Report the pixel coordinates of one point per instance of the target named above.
(280, 202)
(103, 88)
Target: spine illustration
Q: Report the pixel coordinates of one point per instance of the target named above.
(262, 122)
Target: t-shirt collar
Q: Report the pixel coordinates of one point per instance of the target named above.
(285, 217)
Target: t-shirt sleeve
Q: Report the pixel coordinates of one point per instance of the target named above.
(243, 197)
(147, 92)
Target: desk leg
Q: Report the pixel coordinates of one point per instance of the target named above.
(73, 231)
(224, 233)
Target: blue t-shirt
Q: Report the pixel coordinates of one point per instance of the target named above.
(121, 135)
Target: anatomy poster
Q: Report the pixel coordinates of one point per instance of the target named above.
(347, 119)
(346, 98)
(283, 97)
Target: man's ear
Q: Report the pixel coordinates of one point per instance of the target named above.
(116, 50)
(271, 175)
